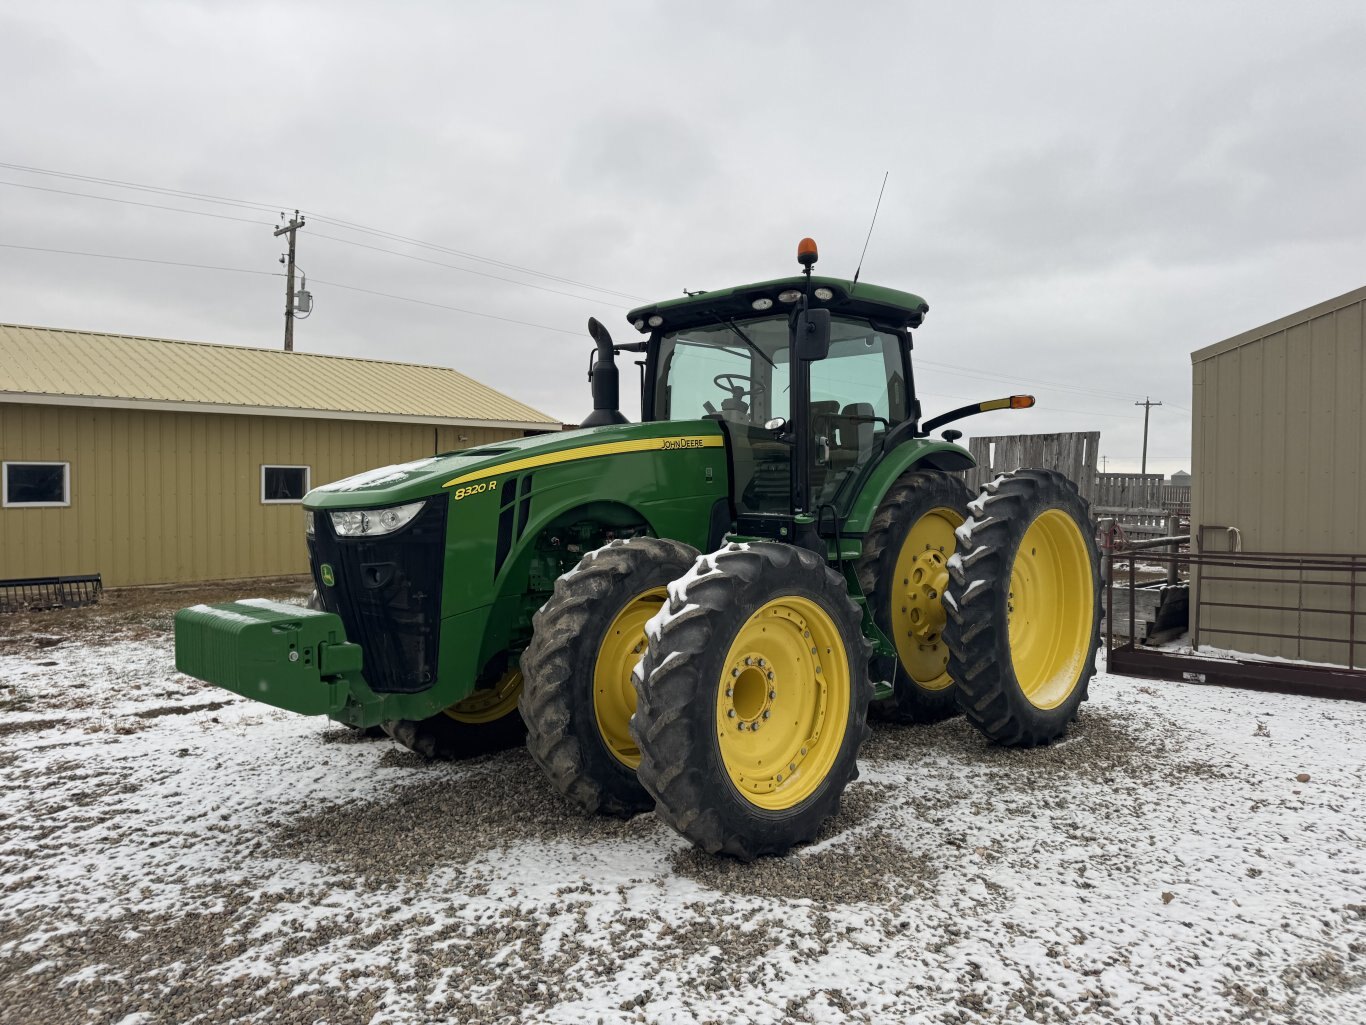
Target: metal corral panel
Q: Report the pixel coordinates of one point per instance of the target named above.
(1279, 452)
(160, 497)
(40, 364)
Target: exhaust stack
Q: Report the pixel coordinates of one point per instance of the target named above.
(605, 381)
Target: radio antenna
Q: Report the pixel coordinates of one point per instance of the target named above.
(870, 226)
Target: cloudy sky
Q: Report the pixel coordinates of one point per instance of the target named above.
(1084, 193)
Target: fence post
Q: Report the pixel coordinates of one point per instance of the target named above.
(1172, 521)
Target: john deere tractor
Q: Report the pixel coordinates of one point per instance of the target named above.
(693, 614)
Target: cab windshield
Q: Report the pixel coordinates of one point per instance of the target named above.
(740, 373)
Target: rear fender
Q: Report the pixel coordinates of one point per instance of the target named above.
(915, 453)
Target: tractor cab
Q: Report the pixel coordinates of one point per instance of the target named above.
(809, 377)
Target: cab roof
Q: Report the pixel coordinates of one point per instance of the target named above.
(885, 305)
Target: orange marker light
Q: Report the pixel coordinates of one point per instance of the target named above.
(1021, 401)
(806, 252)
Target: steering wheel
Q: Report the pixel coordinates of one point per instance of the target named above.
(733, 407)
(727, 382)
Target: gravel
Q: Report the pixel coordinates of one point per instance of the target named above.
(170, 854)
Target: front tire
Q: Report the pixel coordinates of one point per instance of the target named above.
(483, 723)
(904, 573)
(753, 700)
(1024, 608)
(579, 698)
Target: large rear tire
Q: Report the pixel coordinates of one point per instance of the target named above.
(753, 700)
(904, 572)
(483, 723)
(579, 698)
(1024, 608)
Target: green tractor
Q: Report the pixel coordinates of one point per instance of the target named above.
(693, 614)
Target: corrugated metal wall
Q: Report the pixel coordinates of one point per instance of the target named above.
(1279, 451)
(168, 497)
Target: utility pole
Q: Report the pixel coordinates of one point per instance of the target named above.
(1147, 405)
(291, 229)
(1104, 464)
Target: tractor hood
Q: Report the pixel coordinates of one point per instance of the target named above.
(406, 482)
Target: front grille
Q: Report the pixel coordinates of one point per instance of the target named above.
(387, 591)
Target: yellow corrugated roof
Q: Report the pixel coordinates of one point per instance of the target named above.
(46, 364)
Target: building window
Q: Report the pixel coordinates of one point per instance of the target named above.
(283, 484)
(37, 485)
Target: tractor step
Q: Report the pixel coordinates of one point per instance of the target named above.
(285, 655)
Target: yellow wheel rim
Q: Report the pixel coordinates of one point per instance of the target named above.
(917, 597)
(782, 703)
(614, 695)
(1050, 608)
(491, 703)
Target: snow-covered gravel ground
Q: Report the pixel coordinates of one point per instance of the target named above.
(170, 853)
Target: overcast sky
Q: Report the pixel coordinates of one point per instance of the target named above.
(1084, 193)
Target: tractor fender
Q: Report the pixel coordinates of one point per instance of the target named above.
(914, 453)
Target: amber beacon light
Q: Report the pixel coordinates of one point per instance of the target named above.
(806, 252)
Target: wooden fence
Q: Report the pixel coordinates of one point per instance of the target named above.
(1073, 455)
(1128, 493)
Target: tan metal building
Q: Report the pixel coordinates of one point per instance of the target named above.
(1279, 454)
(151, 461)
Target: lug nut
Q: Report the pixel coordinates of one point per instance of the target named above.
(731, 713)
(755, 727)
(730, 691)
(765, 713)
(770, 676)
(762, 663)
(772, 694)
(735, 672)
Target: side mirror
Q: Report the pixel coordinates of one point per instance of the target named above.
(812, 339)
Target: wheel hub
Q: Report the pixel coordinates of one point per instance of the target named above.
(783, 682)
(751, 691)
(924, 589)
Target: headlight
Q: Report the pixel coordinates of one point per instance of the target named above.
(373, 522)
(790, 295)
(309, 529)
(824, 294)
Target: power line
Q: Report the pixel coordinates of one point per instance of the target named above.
(142, 259)
(321, 218)
(442, 306)
(159, 189)
(1043, 408)
(466, 270)
(134, 202)
(394, 237)
(1010, 381)
(277, 274)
